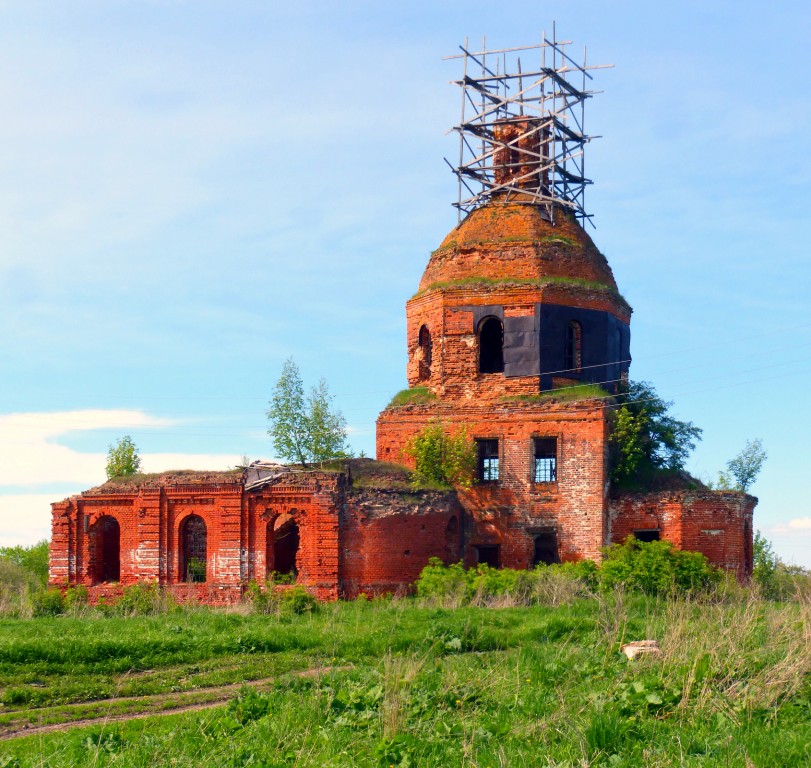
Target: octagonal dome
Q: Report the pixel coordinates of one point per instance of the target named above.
(516, 243)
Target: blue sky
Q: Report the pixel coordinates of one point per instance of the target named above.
(193, 192)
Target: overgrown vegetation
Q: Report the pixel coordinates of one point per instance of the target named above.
(123, 459)
(509, 282)
(412, 396)
(646, 438)
(441, 457)
(566, 394)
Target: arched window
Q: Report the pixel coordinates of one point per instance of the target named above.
(491, 346)
(193, 550)
(108, 549)
(425, 353)
(574, 347)
(285, 545)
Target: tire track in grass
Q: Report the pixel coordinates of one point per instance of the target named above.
(153, 706)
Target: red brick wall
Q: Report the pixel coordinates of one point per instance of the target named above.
(511, 512)
(238, 534)
(388, 537)
(715, 523)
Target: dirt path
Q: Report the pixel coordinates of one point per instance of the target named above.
(149, 706)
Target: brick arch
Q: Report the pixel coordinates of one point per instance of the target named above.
(105, 555)
(192, 538)
(285, 532)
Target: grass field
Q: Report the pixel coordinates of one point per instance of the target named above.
(400, 683)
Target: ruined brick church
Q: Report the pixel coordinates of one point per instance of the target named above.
(516, 310)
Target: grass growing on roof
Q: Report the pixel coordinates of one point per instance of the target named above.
(412, 396)
(567, 394)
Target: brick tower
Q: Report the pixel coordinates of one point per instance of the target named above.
(516, 310)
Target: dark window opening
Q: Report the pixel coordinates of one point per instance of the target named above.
(491, 346)
(545, 465)
(488, 461)
(546, 548)
(489, 554)
(285, 546)
(452, 541)
(195, 551)
(574, 347)
(646, 535)
(109, 549)
(425, 353)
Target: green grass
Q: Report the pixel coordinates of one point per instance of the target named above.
(431, 686)
(562, 394)
(412, 396)
(513, 282)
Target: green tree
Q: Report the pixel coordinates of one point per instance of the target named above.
(325, 425)
(303, 429)
(123, 458)
(764, 562)
(441, 457)
(742, 471)
(34, 559)
(646, 437)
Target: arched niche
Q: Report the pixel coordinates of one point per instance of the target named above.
(193, 549)
(108, 549)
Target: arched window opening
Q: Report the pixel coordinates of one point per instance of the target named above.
(452, 541)
(425, 353)
(194, 550)
(108, 549)
(491, 346)
(574, 347)
(546, 548)
(285, 545)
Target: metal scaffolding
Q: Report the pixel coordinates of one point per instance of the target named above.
(521, 134)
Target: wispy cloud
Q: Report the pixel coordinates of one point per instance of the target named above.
(799, 526)
(31, 454)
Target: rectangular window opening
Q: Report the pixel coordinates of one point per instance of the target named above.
(646, 535)
(489, 554)
(488, 461)
(545, 465)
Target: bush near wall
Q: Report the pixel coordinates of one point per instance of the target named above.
(654, 568)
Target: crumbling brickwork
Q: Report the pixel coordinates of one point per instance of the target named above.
(715, 523)
(347, 540)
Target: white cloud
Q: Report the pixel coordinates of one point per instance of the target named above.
(799, 526)
(31, 455)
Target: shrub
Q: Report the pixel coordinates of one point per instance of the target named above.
(553, 584)
(144, 600)
(298, 600)
(48, 602)
(441, 457)
(655, 567)
(264, 598)
(76, 597)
